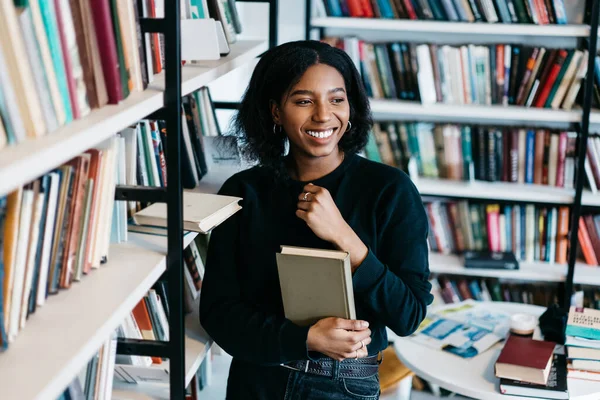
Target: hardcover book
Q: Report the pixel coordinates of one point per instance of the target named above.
(555, 388)
(525, 359)
(315, 284)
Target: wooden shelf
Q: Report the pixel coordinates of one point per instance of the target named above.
(495, 191)
(447, 27)
(384, 109)
(537, 271)
(28, 160)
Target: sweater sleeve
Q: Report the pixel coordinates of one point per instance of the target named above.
(242, 330)
(393, 279)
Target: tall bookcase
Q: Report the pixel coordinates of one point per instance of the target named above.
(568, 36)
(62, 337)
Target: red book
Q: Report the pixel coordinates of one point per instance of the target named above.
(562, 235)
(550, 79)
(594, 239)
(525, 359)
(560, 165)
(410, 9)
(355, 8)
(586, 244)
(367, 8)
(71, 85)
(108, 49)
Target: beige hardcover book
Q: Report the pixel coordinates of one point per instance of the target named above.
(315, 284)
(20, 71)
(567, 79)
(576, 83)
(201, 211)
(34, 234)
(20, 264)
(11, 234)
(108, 199)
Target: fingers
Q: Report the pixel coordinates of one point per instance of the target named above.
(304, 205)
(351, 324)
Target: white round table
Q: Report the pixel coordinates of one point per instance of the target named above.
(475, 377)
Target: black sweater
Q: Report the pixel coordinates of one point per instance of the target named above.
(241, 306)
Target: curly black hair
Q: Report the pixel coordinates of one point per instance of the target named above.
(278, 70)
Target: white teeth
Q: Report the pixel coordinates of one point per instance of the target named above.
(321, 135)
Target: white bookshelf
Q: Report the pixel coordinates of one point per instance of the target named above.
(447, 27)
(384, 109)
(28, 160)
(497, 191)
(61, 337)
(537, 271)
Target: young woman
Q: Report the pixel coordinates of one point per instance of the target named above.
(308, 96)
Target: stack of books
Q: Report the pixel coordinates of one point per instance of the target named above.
(583, 344)
(528, 367)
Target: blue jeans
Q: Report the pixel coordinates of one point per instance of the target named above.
(303, 386)
(256, 382)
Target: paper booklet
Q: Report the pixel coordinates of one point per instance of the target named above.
(466, 330)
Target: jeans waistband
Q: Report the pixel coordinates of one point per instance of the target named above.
(349, 368)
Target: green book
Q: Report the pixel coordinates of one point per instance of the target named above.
(371, 149)
(49, 17)
(467, 153)
(123, 71)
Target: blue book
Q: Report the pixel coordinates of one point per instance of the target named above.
(475, 291)
(385, 8)
(508, 226)
(560, 12)
(3, 337)
(597, 70)
(549, 222)
(529, 155)
(473, 77)
(335, 9)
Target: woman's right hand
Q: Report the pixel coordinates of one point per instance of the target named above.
(339, 338)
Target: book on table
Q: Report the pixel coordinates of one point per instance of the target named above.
(555, 387)
(584, 323)
(524, 359)
(315, 284)
(201, 212)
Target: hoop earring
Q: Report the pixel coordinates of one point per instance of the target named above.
(275, 129)
(349, 126)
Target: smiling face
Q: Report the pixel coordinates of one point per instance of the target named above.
(314, 113)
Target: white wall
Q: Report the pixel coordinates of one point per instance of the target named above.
(255, 24)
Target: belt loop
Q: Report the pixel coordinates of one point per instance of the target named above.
(306, 368)
(381, 360)
(335, 373)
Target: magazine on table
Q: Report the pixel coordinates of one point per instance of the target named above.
(466, 329)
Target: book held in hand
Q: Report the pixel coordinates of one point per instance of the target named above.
(555, 388)
(524, 359)
(315, 284)
(201, 212)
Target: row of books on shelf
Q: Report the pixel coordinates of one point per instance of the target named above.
(146, 146)
(59, 60)
(454, 289)
(532, 233)
(504, 11)
(55, 230)
(470, 74)
(470, 152)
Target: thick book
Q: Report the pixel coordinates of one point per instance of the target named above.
(491, 260)
(201, 212)
(584, 323)
(555, 388)
(315, 284)
(525, 359)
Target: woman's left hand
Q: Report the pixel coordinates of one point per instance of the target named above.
(317, 208)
